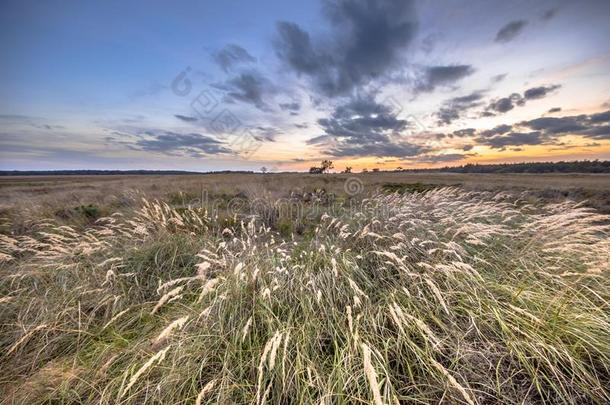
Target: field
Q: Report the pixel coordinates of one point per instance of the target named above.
(380, 288)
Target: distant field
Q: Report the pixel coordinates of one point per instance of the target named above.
(156, 186)
(46, 194)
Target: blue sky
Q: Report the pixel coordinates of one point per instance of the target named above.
(384, 83)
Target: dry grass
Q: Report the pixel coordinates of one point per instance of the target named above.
(450, 295)
(25, 198)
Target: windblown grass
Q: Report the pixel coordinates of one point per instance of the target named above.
(441, 296)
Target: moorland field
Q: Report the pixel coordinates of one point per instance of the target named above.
(382, 288)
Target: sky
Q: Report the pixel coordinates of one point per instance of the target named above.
(237, 85)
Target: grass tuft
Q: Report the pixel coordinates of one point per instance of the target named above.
(440, 295)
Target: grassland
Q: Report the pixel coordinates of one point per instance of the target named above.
(34, 197)
(285, 288)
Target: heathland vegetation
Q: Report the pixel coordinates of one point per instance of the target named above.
(345, 293)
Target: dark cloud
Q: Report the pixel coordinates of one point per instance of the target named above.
(448, 157)
(429, 43)
(596, 126)
(437, 76)
(48, 127)
(248, 87)
(366, 42)
(541, 131)
(514, 139)
(185, 118)
(499, 130)
(26, 126)
(172, 143)
(600, 117)
(292, 107)
(320, 140)
(232, 55)
(362, 120)
(263, 134)
(460, 133)
(36, 122)
(510, 31)
(554, 110)
(539, 92)
(15, 117)
(364, 127)
(549, 14)
(454, 108)
(499, 78)
(294, 47)
(599, 132)
(466, 148)
(556, 125)
(505, 104)
(378, 149)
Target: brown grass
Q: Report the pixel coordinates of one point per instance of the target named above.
(25, 198)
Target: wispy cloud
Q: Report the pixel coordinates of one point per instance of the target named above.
(232, 55)
(510, 31)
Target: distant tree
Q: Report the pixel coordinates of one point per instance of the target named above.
(325, 166)
(348, 169)
(264, 169)
(399, 168)
(365, 170)
(376, 169)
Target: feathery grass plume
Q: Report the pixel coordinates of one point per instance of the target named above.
(114, 318)
(437, 293)
(268, 347)
(396, 317)
(276, 344)
(110, 276)
(238, 268)
(164, 335)
(420, 324)
(25, 337)
(157, 358)
(166, 297)
(6, 299)
(209, 286)
(453, 382)
(205, 391)
(202, 268)
(5, 257)
(246, 329)
(350, 320)
(110, 261)
(371, 374)
(175, 281)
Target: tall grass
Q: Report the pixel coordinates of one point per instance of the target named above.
(441, 296)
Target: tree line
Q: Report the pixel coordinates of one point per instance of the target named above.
(579, 166)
